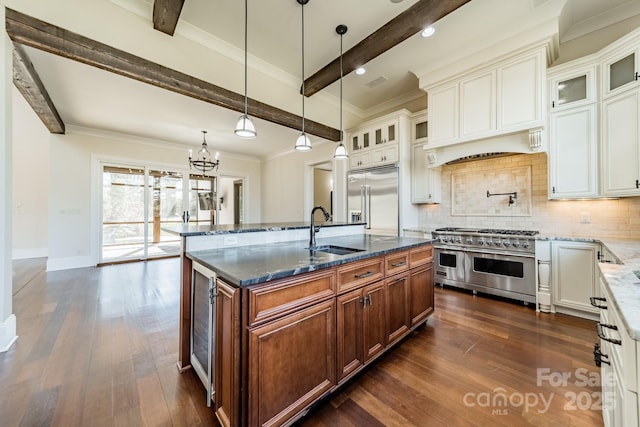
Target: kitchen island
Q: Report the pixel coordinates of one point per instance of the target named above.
(288, 326)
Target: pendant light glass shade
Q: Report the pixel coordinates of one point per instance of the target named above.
(303, 143)
(341, 150)
(245, 127)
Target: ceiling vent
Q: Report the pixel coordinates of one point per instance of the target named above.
(376, 82)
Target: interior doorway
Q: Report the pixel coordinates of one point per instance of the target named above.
(323, 189)
(230, 199)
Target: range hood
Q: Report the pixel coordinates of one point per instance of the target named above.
(527, 142)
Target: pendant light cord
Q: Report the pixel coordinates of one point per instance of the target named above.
(341, 132)
(246, 14)
(302, 5)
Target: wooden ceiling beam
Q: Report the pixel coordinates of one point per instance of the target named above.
(408, 23)
(166, 14)
(27, 81)
(30, 31)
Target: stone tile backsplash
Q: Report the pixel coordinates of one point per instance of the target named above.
(467, 205)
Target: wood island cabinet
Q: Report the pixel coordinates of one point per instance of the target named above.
(283, 345)
(291, 363)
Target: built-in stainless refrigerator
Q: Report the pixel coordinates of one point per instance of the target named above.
(373, 199)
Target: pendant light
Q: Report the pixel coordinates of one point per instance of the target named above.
(341, 150)
(245, 127)
(303, 143)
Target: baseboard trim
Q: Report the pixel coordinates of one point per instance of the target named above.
(8, 333)
(70, 262)
(30, 253)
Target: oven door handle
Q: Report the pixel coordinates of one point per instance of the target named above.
(508, 254)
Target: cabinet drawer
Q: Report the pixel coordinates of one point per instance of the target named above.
(396, 262)
(360, 273)
(267, 302)
(420, 256)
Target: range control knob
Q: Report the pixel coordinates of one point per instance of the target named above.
(481, 241)
(469, 241)
(489, 242)
(525, 244)
(497, 242)
(516, 244)
(506, 243)
(458, 240)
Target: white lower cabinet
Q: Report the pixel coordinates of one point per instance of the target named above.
(618, 356)
(574, 273)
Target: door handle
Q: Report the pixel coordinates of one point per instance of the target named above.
(602, 336)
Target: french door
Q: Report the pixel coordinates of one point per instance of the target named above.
(138, 202)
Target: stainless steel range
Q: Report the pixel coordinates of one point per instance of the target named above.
(497, 262)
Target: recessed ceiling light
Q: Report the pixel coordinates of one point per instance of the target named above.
(428, 32)
(360, 71)
(396, 1)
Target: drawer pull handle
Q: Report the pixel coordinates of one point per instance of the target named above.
(602, 336)
(599, 357)
(363, 275)
(594, 302)
(400, 264)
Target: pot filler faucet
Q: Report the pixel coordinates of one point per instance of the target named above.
(313, 230)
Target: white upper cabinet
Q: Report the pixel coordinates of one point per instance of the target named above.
(620, 71)
(573, 153)
(573, 131)
(573, 88)
(443, 109)
(478, 109)
(621, 145)
(377, 142)
(419, 129)
(521, 85)
(504, 97)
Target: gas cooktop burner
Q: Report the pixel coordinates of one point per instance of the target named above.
(508, 232)
(487, 231)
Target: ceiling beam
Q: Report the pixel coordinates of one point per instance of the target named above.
(166, 14)
(38, 34)
(408, 23)
(27, 81)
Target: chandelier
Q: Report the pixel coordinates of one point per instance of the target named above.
(204, 162)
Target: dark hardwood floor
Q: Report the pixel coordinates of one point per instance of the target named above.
(98, 346)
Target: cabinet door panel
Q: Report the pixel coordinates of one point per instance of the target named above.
(572, 153)
(291, 363)
(421, 291)
(349, 337)
(227, 369)
(520, 92)
(397, 294)
(621, 144)
(574, 274)
(478, 104)
(373, 320)
(443, 114)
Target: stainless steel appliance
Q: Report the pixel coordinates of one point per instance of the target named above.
(497, 262)
(373, 199)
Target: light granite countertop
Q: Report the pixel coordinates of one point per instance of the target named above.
(623, 284)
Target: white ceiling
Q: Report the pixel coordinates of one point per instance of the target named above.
(91, 98)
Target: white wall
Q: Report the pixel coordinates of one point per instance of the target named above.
(287, 183)
(225, 189)
(75, 187)
(7, 318)
(30, 182)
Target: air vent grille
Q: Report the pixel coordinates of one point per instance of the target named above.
(376, 82)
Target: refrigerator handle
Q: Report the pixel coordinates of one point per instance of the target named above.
(363, 205)
(368, 202)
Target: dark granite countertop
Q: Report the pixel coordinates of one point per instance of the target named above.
(250, 265)
(203, 230)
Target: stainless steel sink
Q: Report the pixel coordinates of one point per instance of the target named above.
(337, 250)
